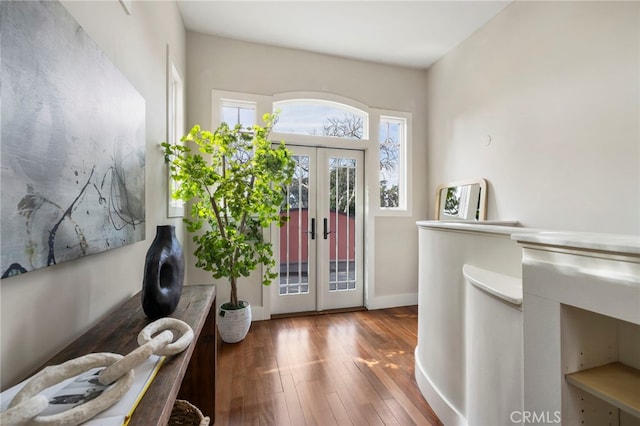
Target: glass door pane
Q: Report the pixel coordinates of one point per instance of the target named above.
(342, 209)
(294, 244)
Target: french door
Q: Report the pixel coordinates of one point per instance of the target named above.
(321, 246)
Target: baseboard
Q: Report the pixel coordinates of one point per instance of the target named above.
(381, 302)
(445, 411)
(257, 313)
(392, 301)
(313, 313)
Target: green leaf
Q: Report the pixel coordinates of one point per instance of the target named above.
(234, 182)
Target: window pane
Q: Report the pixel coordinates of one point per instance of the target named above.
(247, 116)
(318, 118)
(391, 167)
(236, 114)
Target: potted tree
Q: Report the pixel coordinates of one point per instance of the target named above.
(236, 184)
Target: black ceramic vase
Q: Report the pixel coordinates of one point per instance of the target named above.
(163, 274)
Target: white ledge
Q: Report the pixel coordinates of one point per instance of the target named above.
(507, 227)
(612, 243)
(502, 286)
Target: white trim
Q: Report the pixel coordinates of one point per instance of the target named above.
(321, 96)
(259, 313)
(321, 141)
(392, 301)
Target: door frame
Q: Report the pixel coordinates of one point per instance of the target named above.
(272, 233)
(321, 297)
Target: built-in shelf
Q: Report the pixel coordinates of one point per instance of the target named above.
(615, 383)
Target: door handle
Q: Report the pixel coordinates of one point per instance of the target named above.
(326, 231)
(313, 228)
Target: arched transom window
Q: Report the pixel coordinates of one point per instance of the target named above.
(321, 118)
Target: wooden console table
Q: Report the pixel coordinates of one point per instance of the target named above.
(190, 375)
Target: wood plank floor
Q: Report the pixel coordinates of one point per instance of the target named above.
(336, 369)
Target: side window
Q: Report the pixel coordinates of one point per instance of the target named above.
(392, 156)
(175, 129)
(238, 112)
(243, 113)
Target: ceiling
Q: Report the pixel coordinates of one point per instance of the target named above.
(406, 33)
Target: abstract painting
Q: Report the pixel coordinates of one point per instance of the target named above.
(72, 142)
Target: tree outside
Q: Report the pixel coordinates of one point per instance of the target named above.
(351, 126)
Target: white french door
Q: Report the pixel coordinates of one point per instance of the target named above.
(321, 247)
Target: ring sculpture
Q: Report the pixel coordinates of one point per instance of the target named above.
(27, 404)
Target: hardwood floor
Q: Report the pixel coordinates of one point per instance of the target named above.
(336, 369)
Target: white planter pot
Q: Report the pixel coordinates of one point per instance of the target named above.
(233, 324)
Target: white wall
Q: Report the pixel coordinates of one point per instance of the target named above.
(44, 310)
(556, 87)
(217, 63)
